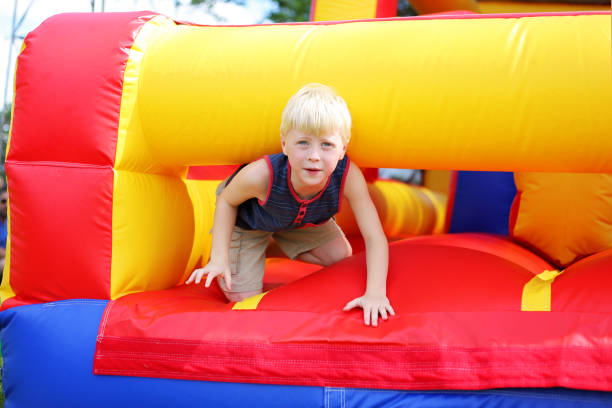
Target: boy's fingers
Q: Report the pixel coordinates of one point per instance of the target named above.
(188, 281)
(390, 309)
(228, 280)
(209, 279)
(383, 313)
(374, 312)
(350, 305)
(366, 316)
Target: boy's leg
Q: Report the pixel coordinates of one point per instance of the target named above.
(321, 245)
(247, 262)
(328, 253)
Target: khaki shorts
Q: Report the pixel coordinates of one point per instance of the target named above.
(247, 252)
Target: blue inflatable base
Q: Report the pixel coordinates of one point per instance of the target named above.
(48, 354)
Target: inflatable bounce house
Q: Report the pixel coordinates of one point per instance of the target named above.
(124, 123)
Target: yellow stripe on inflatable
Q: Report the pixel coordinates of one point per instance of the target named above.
(537, 292)
(513, 94)
(329, 10)
(6, 290)
(249, 303)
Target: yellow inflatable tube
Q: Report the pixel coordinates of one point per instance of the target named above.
(404, 210)
(530, 94)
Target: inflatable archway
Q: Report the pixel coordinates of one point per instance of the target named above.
(105, 226)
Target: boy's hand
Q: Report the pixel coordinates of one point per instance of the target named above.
(372, 306)
(212, 270)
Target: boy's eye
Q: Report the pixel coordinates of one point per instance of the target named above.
(302, 142)
(326, 144)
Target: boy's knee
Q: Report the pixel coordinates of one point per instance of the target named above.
(347, 250)
(340, 250)
(328, 253)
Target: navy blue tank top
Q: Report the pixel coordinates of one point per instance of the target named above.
(283, 209)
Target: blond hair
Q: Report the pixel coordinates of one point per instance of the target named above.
(317, 109)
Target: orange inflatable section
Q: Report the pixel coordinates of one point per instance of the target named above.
(563, 216)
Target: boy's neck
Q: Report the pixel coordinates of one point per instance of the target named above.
(305, 194)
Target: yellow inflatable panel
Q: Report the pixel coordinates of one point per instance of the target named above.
(133, 151)
(202, 193)
(153, 230)
(531, 94)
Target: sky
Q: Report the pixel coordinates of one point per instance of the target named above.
(254, 11)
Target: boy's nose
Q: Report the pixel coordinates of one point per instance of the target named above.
(314, 155)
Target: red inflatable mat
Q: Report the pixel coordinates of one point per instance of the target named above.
(458, 325)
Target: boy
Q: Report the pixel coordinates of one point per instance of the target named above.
(293, 196)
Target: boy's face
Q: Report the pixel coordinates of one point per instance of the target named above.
(312, 158)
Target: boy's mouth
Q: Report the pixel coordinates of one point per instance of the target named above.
(312, 171)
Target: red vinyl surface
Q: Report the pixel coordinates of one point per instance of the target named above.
(458, 325)
(386, 8)
(585, 285)
(68, 87)
(211, 172)
(47, 205)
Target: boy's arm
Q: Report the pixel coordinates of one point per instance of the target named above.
(250, 182)
(374, 301)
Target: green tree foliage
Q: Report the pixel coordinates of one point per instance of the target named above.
(210, 3)
(299, 10)
(6, 121)
(6, 118)
(290, 10)
(285, 11)
(404, 9)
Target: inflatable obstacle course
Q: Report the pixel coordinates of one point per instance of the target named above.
(105, 225)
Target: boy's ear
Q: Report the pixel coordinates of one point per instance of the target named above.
(283, 143)
(343, 151)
